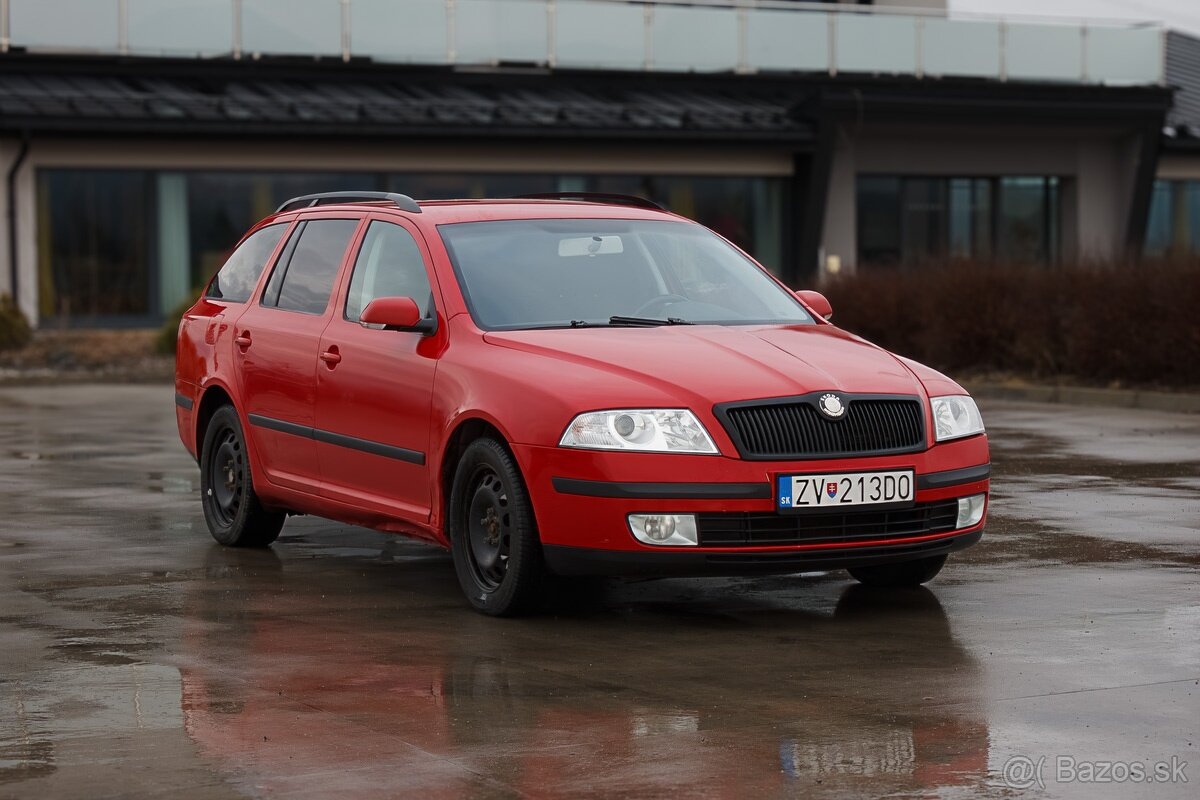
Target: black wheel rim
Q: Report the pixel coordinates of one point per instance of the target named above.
(489, 529)
(227, 477)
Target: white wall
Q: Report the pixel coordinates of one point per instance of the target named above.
(8, 152)
(27, 277)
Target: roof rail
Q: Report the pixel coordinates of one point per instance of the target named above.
(402, 201)
(596, 197)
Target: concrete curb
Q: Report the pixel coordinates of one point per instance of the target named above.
(1177, 402)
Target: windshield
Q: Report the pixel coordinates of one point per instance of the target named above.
(545, 273)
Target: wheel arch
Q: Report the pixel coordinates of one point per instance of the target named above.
(212, 398)
(465, 429)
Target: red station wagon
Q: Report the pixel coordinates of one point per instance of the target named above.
(568, 385)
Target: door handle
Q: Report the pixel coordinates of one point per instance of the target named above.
(331, 357)
(242, 340)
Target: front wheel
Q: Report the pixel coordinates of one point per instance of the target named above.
(904, 573)
(232, 510)
(493, 536)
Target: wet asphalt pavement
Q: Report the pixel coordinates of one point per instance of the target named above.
(139, 658)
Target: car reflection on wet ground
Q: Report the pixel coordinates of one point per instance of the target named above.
(137, 657)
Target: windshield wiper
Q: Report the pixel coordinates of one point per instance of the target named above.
(625, 322)
(648, 322)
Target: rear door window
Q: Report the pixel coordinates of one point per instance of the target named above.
(236, 280)
(311, 267)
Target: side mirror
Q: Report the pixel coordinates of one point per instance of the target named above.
(397, 314)
(816, 301)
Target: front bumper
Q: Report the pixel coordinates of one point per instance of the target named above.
(582, 500)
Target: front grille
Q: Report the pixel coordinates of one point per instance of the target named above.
(752, 529)
(793, 428)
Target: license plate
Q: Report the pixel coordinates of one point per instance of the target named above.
(832, 490)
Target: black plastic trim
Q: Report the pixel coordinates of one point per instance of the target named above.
(341, 440)
(953, 477)
(368, 446)
(272, 424)
(664, 491)
(184, 402)
(566, 560)
(401, 201)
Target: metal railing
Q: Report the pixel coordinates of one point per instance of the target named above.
(742, 36)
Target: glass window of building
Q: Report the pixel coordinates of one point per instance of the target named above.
(433, 186)
(970, 218)
(924, 219)
(95, 266)
(1027, 219)
(1174, 224)
(879, 219)
(94, 246)
(915, 219)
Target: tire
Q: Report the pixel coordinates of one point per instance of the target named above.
(235, 516)
(899, 575)
(493, 535)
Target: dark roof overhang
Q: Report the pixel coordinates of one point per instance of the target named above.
(284, 98)
(291, 97)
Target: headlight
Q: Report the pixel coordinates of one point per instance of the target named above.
(661, 430)
(955, 416)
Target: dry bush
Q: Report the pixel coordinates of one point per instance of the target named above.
(1135, 324)
(14, 327)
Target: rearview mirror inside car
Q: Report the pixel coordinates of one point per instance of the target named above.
(397, 314)
(590, 246)
(816, 301)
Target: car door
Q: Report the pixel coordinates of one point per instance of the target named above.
(375, 386)
(276, 342)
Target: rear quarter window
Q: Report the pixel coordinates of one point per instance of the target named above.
(236, 279)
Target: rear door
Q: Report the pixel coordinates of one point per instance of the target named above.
(276, 342)
(375, 387)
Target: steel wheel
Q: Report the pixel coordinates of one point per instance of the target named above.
(227, 477)
(232, 509)
(493, 535)
(489, 527)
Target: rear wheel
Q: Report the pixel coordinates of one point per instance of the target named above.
(493, 536)
(232, 509)
(904, 573)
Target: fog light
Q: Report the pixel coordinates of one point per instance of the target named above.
(664, 529)
(970, 510)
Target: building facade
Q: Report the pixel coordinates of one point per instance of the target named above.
(144, 136)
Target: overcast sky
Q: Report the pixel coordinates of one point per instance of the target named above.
(1182, 15)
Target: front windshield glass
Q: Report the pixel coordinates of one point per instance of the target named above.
(545, 273)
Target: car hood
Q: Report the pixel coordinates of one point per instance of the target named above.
(716, 364)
